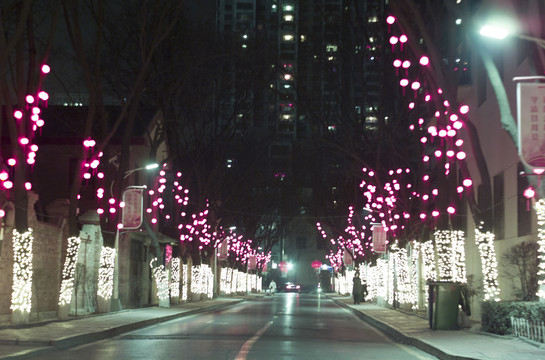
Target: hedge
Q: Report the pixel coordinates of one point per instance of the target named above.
(496, 316)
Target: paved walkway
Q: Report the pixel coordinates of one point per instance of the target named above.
(444, 344)
(33, 340)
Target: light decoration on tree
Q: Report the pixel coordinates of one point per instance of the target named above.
(540, 211)
(489, 264)
(27, 132)
(21, 297)
(202, 280)
(69, 270)
(106, 272)
(161, 279)
(450, 255)
(185, 282)
(427, 252)
(175, 278)
(400, 259)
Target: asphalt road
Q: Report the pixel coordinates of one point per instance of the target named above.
(282, 326)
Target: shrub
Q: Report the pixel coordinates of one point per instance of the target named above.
(496, 316)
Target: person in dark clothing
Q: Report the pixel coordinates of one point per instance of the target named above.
(356, 289)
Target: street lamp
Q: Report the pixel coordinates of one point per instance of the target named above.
(115, 303)
(500, 33)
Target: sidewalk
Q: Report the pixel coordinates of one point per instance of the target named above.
(34, 339)
(458, 345)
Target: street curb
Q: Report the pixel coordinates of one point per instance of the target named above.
(400, 336)
(81, 339)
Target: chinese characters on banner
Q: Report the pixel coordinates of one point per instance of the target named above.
(531, 123)
(379, 238)
(131, 217)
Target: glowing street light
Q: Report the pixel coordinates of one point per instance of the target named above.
(500, 33)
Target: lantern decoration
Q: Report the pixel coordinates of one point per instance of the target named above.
(283, 265)
(316, 264)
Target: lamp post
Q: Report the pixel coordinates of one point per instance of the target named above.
(115, 303)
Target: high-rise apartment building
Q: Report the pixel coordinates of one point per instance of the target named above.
(317, 73)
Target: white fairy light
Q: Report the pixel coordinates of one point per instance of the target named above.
(184, 282)
(161, 278)
(21, 297)
(540, 210)
(489, 264)
(450, 255)
(175, 278)
(67, 284)
(106, 272)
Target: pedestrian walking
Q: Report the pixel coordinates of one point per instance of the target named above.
(272, 286)
(356, 289)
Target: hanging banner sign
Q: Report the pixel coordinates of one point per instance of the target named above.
(531, 122)
(379, 238)
(132, 215)
(223, 249)
(347, 258)
(252, 262)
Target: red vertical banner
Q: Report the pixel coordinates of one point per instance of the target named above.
(252, 262)
(531, 123)
(379, 238)
(347, 258)
(223, 249)
(132, 215)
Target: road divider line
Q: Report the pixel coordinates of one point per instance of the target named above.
(245, 349)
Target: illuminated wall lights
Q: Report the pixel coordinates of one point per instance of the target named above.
(67, 284)
(489, 264)
(106, 272)
(21, 297)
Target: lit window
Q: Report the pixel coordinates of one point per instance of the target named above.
(287, 86)
(288, 37)
(229, 163)
(331, 48)
(288, 7)
(288, 77)
(244, 46)
(287, 117)
(371, 39)
(330, 58)
(331, 128)
(372, 19)
(303, 38)
(288, 17)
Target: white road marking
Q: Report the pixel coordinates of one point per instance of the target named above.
(243, 353)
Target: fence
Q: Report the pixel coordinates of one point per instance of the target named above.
(534, 331)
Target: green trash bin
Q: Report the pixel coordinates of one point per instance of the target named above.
(444, 298)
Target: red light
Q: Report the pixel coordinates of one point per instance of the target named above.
(529, 193)
(29, 99)
(424, 61)
(12, 162)
(464, 109)
(8, 184)
(403, 38)
(393, 40)
(467, 182)
(28, 186)
(43, 95)
(397, 63)
(18, 114)
(435, 213)
(451, 210)
(390, 19)
(46, 69)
